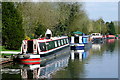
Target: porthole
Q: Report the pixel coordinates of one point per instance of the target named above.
(24, 46)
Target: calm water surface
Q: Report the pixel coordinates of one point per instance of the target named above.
(100, 61)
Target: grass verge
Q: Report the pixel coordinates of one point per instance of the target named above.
(2, 48)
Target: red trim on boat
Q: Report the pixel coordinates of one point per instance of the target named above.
(30, 63)
(51, 40)
(110, 36)
(34, 59)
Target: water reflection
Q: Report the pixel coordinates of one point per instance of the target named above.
(38, 71)
(95, 64)
(110, 45)
(96, 47)
(79, 54)
(75, 68)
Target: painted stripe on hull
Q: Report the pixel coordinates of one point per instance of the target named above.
(77, 47)
(30, 63)
(34, 59)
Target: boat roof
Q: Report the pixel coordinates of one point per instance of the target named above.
(96, 33)
(47, 40)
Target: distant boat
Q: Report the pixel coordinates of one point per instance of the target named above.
(117, 36)
(78, 42)
(97, 38)
(33, 50)
(110, 36)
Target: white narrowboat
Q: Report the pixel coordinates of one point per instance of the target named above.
(80, 42)
(96, 35)
(97, 38)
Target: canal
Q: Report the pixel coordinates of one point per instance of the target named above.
(99, 61)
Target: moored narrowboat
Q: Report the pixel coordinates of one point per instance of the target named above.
(110, 36)
(97, 38)
(33, 50)
(117, 36)
(78, 42)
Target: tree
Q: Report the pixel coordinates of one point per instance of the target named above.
(40, 30)
(111, 28)
(44, 13)
(12, 31)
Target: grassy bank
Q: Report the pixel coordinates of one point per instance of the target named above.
(3, 55)
(2, 48)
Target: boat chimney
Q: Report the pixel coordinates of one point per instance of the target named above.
(48, 34)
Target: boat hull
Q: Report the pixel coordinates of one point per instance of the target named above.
(40, 58)
(98, 40)
(28, 58)
(30, 61)
(110, 36)
(78, 46)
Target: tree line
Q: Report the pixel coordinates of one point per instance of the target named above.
(27, 20)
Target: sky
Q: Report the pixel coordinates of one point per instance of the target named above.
(108, 11)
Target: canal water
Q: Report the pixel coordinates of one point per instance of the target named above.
(99, 61)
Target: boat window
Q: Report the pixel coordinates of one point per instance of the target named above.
(34, 46)
(24, 46)
(42, 46)
(51, 45)
(59, 42)
(55, 43)
(48, 45)
(67, 40)
(62, 42)
(76, 39)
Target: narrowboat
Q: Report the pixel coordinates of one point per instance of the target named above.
(97, 38)
(117, 36)
(80, 42)
(110, 36)
(33, 50)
